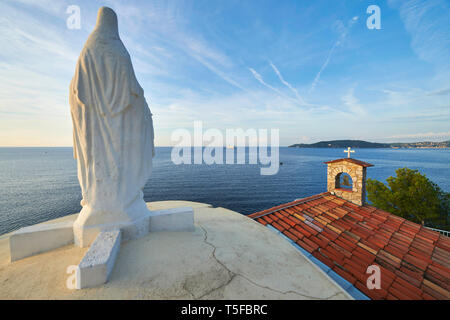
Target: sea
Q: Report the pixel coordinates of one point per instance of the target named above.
(39, 184)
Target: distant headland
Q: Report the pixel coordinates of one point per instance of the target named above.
(366, 144)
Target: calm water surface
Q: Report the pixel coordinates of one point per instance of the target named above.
(38, 184)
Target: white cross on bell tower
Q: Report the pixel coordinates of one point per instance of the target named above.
(349, 150)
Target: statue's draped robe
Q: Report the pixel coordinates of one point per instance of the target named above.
(113, 131)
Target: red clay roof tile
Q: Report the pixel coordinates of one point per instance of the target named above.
(440, 269)
(333, 254)
(289, 222)
(366, 256)
(436, 288)
(433, 293)
(305, 246)
(321, 242)
(390, 256)
(283, 224)
(357, 270)
(394, 251)
(294, 219)
(420, 254)
(330, 234)
(392, 297)
(276, 225)
(375, 293)
(411, 267)
(387, 277)
(300, 229)
(414, 281)
(318, 254)
(348, 238)
(290, 235)
(422, 265)
(278, 214)
(313, 225)
(262, 221)
(441, 253)
(407, 286)
(351, 236)
(284, 213)
(310, 243)
(412, 273)
(388, 263)
(440, 261)
(437, 279)
(397, 290)
(426, 296)
(308, 228)
(344, 274)
(298, 234)
(340, 248)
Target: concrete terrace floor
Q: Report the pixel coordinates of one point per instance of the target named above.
(228, 256)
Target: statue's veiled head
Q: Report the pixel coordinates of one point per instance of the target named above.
(107, 21)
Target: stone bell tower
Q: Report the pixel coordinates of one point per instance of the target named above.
(353, 190)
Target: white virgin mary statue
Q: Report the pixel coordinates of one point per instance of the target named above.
(112, 136)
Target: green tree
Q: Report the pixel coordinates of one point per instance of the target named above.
(443, 222)
(412, 196)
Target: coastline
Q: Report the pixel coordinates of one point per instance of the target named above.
(48, 178)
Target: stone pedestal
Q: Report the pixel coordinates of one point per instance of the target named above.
(33, 240)
(104, 240)
(85, 235)
(178, 219)
(96, 266)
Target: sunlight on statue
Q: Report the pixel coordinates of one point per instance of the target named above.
(112, 133)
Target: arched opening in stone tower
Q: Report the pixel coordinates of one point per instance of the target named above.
(344, 181)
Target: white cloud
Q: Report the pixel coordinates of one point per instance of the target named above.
(324, 65)
(343, 31)
(352, 103)
(216, 70)
(261, 80)
(428, 23)
(49, 6)
(287, 84)
(167, 23)
(34, 56)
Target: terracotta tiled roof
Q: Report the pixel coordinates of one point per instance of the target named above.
(361, 163)
(414, 261)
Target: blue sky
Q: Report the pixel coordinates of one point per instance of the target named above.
(310, 68)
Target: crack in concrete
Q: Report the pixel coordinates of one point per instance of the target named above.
(333, 295)
(213, 254)
(218, 288)
(233, 275)
(188, 291)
